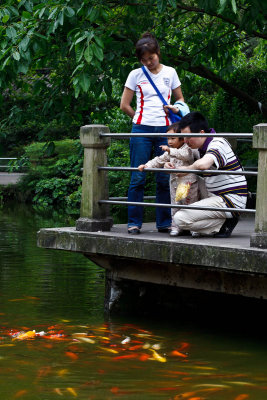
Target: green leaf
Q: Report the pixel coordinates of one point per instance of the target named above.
(93, 14)
(26, 15)
(24, 43)
(172, 3)
(80, 39)
(222, 6)
(69, 12)
(16, 55)
(99, 41)
(11, 32)
(234, 6)
(52, 14)
(84, 81)
(40, 36)
(41, 13)
(161, 5)
(79, 52)
(5, 18)
(76, 91)
(98, 52)
(61, 18)
(107, 87)
(88, 54)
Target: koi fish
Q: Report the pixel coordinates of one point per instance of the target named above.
(25, 335)
(63, 372)
(136, 347)
(156, 346)
(125, 357)
(157, 357)
(178, 354)
(85, 339)
(109, 350)
(184, 346)
(20, 393)
(242, 397)
(144, 357)
(7, 345)
(72, 391)
(58, 391)
(126, 340)
(71, 355)
(212, 385)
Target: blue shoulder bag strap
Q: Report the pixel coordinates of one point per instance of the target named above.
(159, 94)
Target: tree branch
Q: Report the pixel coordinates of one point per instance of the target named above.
(201, 70)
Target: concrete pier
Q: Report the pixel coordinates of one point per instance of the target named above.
(228, 266)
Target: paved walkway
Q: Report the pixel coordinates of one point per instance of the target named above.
(10, 178)
(240, 237)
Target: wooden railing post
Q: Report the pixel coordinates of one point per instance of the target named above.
(259, 238)
(94, 216)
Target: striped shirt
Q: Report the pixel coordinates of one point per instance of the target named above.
(232, 188)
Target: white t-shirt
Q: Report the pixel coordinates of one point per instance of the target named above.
(149, 107)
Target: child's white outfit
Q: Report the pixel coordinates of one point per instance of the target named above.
(183, 156)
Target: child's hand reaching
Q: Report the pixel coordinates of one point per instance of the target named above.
(142, 167)
(165, 148)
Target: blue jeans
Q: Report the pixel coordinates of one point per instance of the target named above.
(140, 152)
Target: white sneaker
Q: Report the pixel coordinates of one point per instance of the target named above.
(174, 231)
(195, 234)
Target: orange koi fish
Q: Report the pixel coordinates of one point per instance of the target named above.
(20, 393)
(184, 346)
(126, 357)
(71, 355)
(184, 395)
(178, 354)
(136, 347)
(242, 397)
(144, 357)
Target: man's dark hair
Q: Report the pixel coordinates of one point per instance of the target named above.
(196, 122)
(174, 127)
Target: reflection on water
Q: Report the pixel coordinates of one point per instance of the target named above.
(56, 343)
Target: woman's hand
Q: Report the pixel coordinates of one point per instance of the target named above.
(174, 109)
(142, 167)
(165, 148)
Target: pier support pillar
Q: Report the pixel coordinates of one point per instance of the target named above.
(259, 238)
(94, 216)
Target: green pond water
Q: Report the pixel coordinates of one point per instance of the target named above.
(56, 342)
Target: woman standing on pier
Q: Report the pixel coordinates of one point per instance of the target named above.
(149, 117)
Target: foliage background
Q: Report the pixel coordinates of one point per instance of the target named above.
(64, 64)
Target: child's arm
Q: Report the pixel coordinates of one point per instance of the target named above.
(165, 148)
(157, 162)
(184, 153)
(142, 167)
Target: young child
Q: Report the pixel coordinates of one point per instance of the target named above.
(183, 189)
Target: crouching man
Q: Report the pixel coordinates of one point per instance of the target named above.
(223, 190)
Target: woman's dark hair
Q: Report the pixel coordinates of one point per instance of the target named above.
(147, 43)
(195, 121)
(174, 127)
